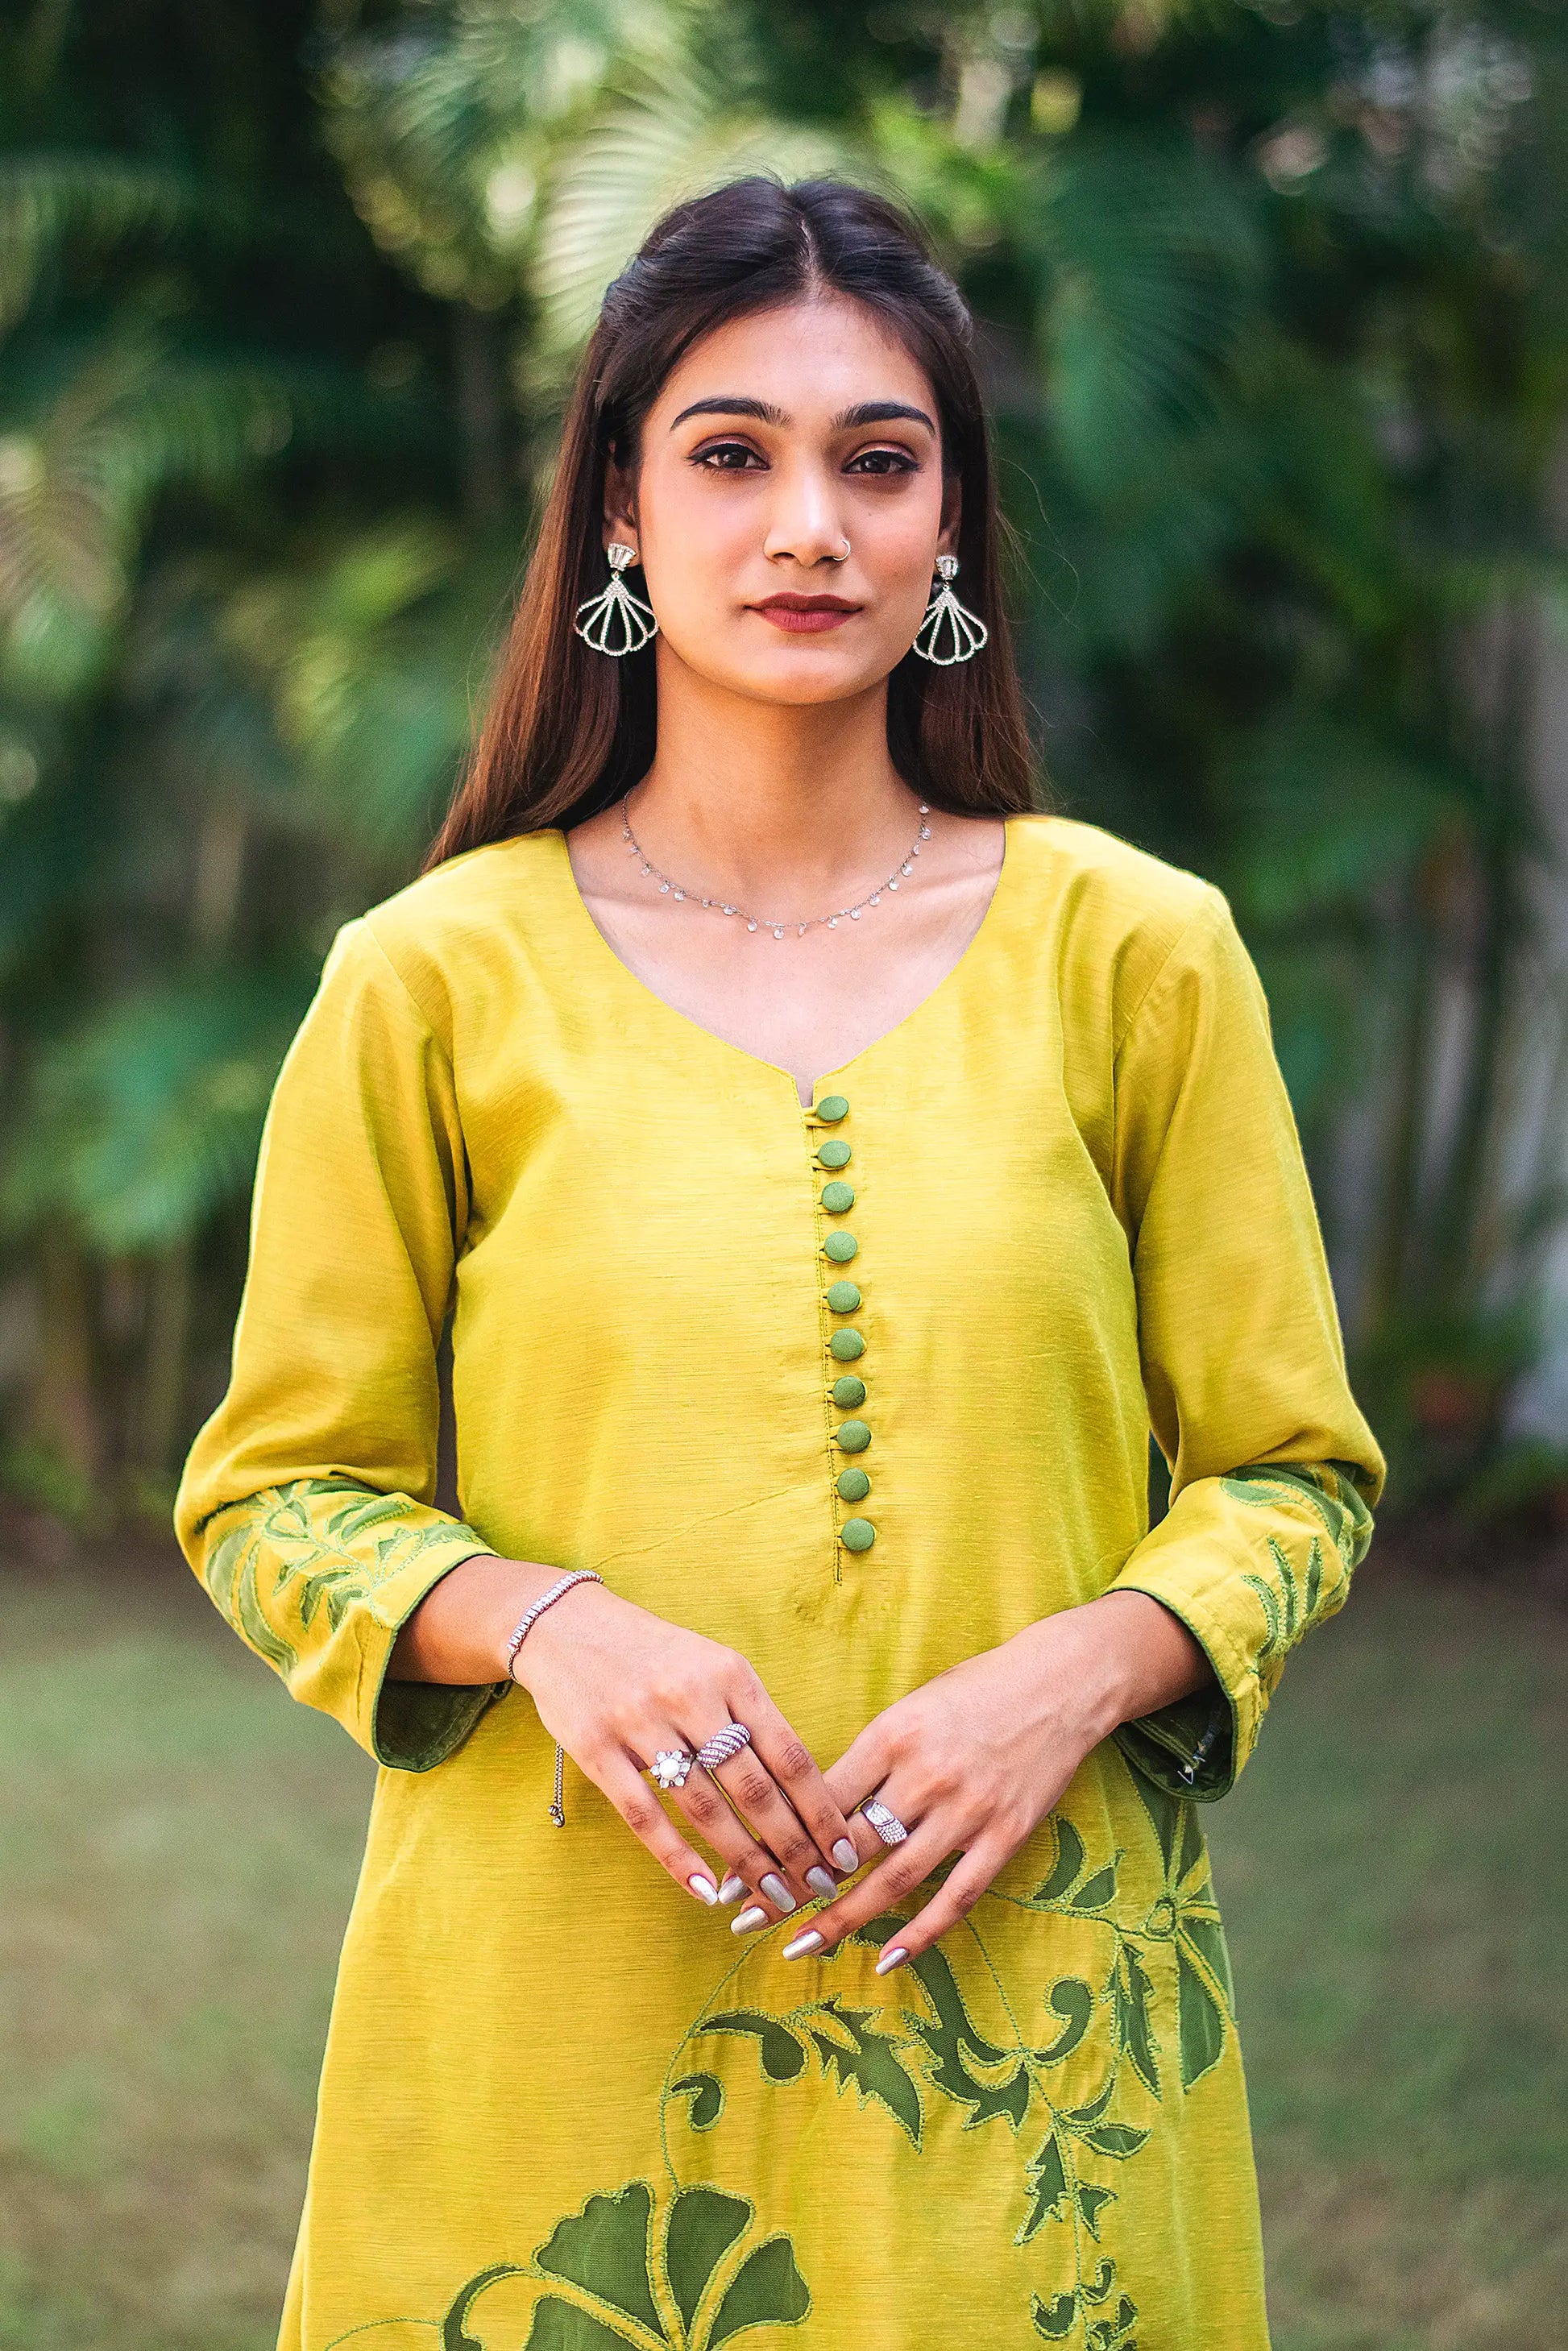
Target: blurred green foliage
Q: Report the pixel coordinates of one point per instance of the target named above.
(1273, 307)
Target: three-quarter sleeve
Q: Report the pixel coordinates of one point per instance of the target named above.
(1272, 1466)
(306, 1504)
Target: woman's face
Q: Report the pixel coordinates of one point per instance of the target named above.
(777, 437)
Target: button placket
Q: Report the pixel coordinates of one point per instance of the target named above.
(846, 1390)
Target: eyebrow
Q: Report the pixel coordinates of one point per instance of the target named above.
(849, 419)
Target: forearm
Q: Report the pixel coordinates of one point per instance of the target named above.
(458, 1634)
(1125, 1655)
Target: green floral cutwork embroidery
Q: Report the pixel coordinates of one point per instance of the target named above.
(694, 2296)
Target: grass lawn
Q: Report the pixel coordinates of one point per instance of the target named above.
(177, 1846)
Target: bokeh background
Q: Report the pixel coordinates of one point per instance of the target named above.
(1272, 305)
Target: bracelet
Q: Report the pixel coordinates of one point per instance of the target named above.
(546, 1600)
(519, 1634)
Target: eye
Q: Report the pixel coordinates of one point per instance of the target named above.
(726, 456)
(883, 462)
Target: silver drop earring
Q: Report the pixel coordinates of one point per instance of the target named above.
(615, 622)
(949, 633)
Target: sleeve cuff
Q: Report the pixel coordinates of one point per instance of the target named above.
(414, 1726)
(1197, 1745)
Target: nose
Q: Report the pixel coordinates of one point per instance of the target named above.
(803, 525)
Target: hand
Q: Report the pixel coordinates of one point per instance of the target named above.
(616, 1684)
(973, 1761)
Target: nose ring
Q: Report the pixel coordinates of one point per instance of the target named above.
(840, 558)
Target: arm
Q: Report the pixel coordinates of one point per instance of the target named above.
(305, 1506)
(1272, 1472)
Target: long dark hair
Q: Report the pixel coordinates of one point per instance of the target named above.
(568, 730)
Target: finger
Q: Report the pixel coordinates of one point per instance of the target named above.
(860, 1770)
(745, 1862)
(646, 1818)
(787, 1799)
(902, 1868)
(952, 1902)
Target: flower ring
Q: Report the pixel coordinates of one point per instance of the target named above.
(670, 1766)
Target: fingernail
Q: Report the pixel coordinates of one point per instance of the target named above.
(818, 1879)
(743, 1923)
(894, 1957)
(732, 1889)
(778, 1893)
(809, 1941)
(703, 1888)
(845, 1854)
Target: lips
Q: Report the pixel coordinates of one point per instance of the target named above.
(806, 615)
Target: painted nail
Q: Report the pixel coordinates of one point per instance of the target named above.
(845, 1854)
(732, 1889)
(778, 1893)
(808, 1941)
(819, 1881)
(894, 1957)
(703, 1888)
(747, 1919)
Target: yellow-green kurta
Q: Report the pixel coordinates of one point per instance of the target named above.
(561, 2106)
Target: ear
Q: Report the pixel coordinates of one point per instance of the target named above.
(620, 504)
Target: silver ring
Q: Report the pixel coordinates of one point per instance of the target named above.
(888, 1825)
(670, 1766)
(724, 1745)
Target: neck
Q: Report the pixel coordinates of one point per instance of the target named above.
(787, 801)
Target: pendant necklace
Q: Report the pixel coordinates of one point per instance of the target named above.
(672, 889)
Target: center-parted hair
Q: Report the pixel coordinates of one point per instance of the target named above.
(565, 729)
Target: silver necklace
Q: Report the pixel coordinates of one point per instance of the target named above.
(669, 888)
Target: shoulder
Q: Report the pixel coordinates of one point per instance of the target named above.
(1120, 918)
(457, 930)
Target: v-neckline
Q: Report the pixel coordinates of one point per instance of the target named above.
(629, 978)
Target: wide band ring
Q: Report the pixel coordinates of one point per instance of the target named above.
(670, 1766)
(888, 1825)
(724, 1746)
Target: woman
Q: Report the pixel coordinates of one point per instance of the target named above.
(832, 1169)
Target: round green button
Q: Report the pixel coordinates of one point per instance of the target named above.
(841, 1248)
(853, 1484)
(831, 1108)
(852, 1437)
(834, 1152)
(846, 1345)
(849, 1390)
(837, 1197)
(857, 1534)
(843, 1297)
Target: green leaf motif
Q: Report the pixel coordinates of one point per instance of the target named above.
(1200, 2020)
(704, 2224)
(1092, 2202)
(605, 2252)
(957, 2045)
(1072, 2000)
(1055, 2320)
(561, 2326)
(1064, 1870)
(1131, 1992)
(768, 2291)
(871, 2063)
(783, 2056)
(1100, 1890)
(254, 1625)
(706, 2092)
(1048, 2189)
(455, 2334)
